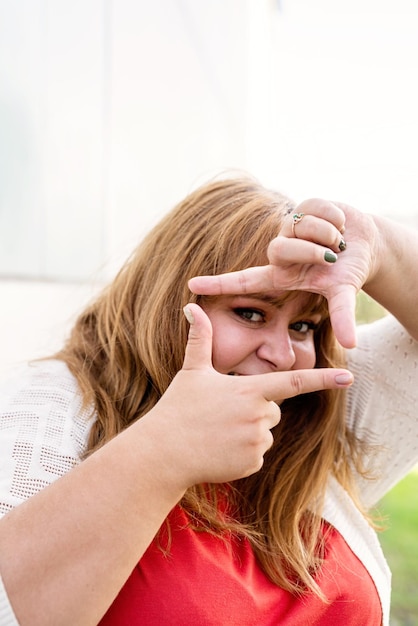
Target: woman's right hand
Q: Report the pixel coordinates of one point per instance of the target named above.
(95, 522)
(217, 428)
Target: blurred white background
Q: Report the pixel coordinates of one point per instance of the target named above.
(111, 111)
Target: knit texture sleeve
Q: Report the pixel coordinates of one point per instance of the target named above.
(43, 429)
(383, 403)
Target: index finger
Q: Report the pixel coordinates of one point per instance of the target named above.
(278, 386)
(250, 280)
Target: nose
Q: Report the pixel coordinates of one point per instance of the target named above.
(276, 348)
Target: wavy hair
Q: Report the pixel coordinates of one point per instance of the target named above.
(127, 346)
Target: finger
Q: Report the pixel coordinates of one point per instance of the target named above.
(250, 280)
(285, 251)
(281, 385)
(274, 414)
(342, 310)
(324, 209)
(198, 354)
(314, 229)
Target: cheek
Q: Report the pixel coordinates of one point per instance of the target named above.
(305, 355)
(227, 347)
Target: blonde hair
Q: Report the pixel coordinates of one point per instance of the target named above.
(127, 346)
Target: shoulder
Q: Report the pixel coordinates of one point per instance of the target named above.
(44, 428)
(43, 391)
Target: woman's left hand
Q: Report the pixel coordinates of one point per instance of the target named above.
(334, 250)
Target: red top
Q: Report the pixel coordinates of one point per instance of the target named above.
(206, 581)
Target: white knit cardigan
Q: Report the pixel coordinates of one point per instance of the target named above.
(44, 430)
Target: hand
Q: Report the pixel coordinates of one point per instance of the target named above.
(215, 427)
(298, 261)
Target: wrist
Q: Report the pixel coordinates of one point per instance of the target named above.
(159, 454)
(379, 264)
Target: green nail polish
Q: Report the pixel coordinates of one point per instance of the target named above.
(330, 257)
(342, 245)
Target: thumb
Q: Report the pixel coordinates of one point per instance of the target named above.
(342, 310)
(198, 354)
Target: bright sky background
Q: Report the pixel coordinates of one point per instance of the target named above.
(331, 112)
(345, 97)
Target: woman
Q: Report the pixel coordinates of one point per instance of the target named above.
(199, 500)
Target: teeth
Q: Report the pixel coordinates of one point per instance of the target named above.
(233, 374)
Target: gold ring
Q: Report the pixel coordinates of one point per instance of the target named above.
(296, 218)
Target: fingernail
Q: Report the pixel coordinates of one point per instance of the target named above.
(330, 257)
(188, 315)
(344, 379)
(342, 245)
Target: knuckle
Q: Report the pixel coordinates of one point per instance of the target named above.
(242, 280)
(276, 414)
(258, 434)
(274, 248)
(269, 440)
(273, 414)
(297, 383)
(256, 467)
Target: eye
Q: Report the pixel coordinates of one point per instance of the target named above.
(303, 327)
(250, 315)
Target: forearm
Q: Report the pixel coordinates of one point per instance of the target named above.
(66, 552)
(395, 284)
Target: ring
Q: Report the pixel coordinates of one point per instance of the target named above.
(296, 218)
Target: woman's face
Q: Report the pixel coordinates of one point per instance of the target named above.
(258, 334)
